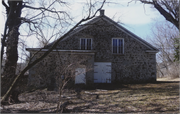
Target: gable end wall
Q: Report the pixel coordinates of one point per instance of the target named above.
(135, 65)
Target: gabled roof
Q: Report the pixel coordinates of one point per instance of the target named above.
(121, 28)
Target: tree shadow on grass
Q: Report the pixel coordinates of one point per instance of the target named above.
(163, 89)
(91, 104)
(31, 111)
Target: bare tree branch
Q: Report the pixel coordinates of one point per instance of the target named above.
(167, 15)
(146, 2)
(171, 6)
(42, 8)
(14, 83)
(5, 5)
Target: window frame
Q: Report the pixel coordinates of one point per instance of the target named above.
(86, 43)
(118, 45)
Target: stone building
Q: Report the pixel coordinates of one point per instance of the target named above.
(112, 53)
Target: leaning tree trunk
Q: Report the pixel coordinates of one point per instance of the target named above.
(13, 24)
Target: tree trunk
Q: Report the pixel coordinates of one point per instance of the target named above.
(13, 24)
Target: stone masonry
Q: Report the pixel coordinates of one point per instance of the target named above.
(134, 66)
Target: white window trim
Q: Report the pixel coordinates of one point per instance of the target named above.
(117, 48)
(86, 43)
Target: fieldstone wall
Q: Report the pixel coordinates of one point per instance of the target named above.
(49, 71)
(134, 66)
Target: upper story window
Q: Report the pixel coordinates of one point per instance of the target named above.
(86, 43)
(118, 45)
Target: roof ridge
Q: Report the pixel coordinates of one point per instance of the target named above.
(134, 35)
(81, 27)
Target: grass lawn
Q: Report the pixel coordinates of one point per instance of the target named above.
(160, 97)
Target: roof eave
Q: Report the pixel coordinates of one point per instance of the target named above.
(116, 25)
(58, 50)
(152, 51)
(131, 34)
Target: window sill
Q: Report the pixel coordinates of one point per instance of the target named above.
(118, 54)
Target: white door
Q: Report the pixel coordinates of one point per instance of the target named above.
(102, 72)
(80, 76)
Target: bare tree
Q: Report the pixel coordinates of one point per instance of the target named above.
(33, 25)
(69, 72)
(164, 37)
(11, 33)
(57, 74)
(169, 9)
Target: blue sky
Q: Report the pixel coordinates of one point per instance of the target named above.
(135, 17)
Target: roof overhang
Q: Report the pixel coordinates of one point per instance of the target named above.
(91, 22)
(58, 50)
(152, 51)
(151, 48)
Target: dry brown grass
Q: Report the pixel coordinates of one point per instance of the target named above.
(129, 98)
(168, 79)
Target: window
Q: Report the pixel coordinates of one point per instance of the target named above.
(118, 45)
(86, 43)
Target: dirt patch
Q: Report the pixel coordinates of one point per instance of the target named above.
(168, 79)
(129, 98)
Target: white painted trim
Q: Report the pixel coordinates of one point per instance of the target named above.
(117, 49)
(55, 50)
(83, 53)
